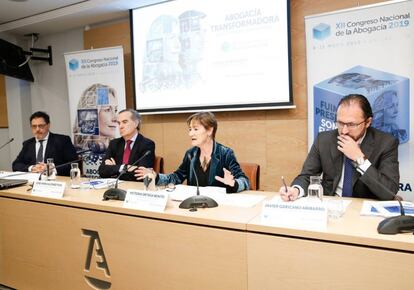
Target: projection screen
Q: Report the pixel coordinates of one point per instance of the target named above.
(192, 55)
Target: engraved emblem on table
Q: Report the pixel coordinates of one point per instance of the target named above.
(96, 268)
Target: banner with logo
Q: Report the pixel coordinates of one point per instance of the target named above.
(96, 85)
(366, 50)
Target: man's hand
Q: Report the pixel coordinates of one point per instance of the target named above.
(349, 147)
(110, 162)
(38, 168)
(291, 194)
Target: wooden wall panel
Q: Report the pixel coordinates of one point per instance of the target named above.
(4, 123)
(277, 140)
(114, 35)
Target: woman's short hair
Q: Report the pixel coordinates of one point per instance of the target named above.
(206, 119)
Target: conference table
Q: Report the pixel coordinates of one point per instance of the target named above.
(82, 242)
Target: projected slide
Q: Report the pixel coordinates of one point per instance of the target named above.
(191, 55)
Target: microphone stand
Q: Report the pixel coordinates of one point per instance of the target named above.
(383, 187)
(197, 201)
(8, 142)
(117, 193)
(396, 224)
(83, 151)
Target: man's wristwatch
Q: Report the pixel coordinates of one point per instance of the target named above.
(361, 160)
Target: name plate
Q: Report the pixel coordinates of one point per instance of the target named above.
(146, 200)
(53, 189)
(302, 214)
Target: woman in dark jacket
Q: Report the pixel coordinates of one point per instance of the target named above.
(214, 164)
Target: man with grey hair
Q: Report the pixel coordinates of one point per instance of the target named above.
(127, 149)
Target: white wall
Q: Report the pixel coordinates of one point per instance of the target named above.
(18, 108)
(5, 163)
(48, 92)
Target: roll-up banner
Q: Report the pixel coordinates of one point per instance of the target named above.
(96, 85)
(366, 50)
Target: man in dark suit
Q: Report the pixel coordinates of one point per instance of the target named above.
(127, 149)
(44, 145)
(355, 160)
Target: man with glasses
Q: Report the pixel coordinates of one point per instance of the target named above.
(355, 160)
(44, 145)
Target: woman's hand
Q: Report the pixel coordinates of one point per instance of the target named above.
(141, 172)
(228, 178)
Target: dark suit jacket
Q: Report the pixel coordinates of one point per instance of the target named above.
(116, 151)
(59, 147)
(380, 148)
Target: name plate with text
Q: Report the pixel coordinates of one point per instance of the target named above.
(300, 214)
(146, 200)
(53, 189)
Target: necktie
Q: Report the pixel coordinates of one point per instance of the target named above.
(127, 152)
(39, 157)
(348, 173)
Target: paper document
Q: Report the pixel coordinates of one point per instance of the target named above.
(345, 202)
(182, 192)
(242, 199)
(304, 213)
(219, 194)
(386, 208)
(100, 183)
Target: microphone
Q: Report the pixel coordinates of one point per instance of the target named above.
(396, 224)
(8, 142)
(197, 201)
(117, 193)
(59, 166)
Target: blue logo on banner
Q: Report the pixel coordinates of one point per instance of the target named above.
(321, 31)
(73, 64)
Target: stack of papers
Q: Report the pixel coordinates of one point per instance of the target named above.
(99, 183)
(386, 208)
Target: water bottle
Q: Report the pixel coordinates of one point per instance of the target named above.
(74, 175)
(51, 171)
(315, 189)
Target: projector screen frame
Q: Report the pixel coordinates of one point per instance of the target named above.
(216, 108)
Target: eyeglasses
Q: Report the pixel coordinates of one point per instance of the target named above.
(340, 124)
(40, 126)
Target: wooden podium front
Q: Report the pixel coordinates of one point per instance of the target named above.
(82, 242)
(350, 254)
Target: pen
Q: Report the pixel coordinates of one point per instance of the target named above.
(286, 190)
(284, 184)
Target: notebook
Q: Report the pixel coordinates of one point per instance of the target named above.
(7, 183)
